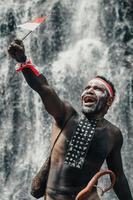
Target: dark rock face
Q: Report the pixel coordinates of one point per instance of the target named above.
(78, 41)
(8, 24)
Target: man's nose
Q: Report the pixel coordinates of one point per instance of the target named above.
(90, 90)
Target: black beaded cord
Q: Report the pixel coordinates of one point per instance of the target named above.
(80, 142)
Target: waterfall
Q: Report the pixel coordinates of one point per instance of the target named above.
(80, 39)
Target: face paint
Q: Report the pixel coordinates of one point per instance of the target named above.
(94, 98)
(101, 103)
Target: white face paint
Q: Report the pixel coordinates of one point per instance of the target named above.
(94, 97)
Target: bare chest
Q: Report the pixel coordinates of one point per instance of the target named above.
(99, 149)
(101, 145)
(61, 145)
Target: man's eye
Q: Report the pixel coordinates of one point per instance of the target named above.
(87, 88)
(97, 88)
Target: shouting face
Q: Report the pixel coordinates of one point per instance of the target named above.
(94, 97)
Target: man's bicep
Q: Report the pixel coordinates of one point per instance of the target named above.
(114, 159)
(114, 162)
(53, 104)
(58, 108)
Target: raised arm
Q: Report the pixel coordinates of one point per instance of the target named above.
(53, 104)
(114, 162)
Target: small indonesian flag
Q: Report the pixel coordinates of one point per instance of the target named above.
(34, 24)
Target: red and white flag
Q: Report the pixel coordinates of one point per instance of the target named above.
(34, 24)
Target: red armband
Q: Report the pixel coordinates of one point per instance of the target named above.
(29, 65)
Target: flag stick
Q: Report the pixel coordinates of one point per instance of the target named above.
(26, 35)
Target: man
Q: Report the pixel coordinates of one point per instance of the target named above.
(85, 142)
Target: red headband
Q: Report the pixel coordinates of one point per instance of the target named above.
(107, 85)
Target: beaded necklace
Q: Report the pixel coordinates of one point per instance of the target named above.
(80, 142)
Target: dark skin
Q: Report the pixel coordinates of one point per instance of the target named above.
(65, 182)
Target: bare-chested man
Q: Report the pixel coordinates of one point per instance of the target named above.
(72, 169)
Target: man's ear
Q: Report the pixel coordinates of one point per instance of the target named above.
(110, 101)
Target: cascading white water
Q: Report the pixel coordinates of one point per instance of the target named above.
(78, 42)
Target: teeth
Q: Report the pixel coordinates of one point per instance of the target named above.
(88, 103)
(89, 99)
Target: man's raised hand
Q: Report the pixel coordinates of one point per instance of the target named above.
(17, 51)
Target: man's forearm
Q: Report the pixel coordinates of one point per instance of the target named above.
(121, 188)
(39, 83)
(33, 77)
(35, 82)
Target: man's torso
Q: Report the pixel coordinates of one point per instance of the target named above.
(69, 180)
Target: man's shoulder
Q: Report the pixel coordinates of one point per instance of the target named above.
(114, 130)
(112, 126)
(70, 110)
(70, 113)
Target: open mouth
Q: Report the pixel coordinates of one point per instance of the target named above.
(89, 100)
